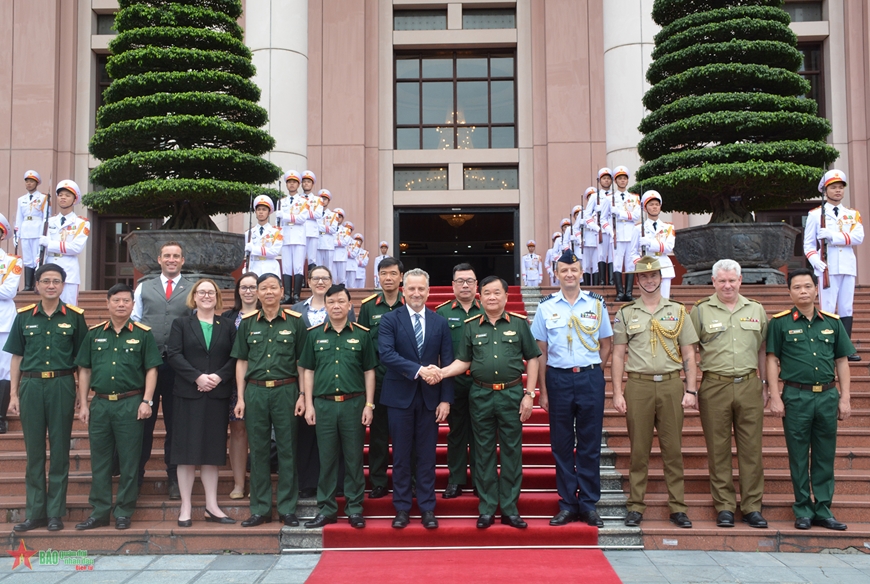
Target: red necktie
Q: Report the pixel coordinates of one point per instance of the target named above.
(168, 289)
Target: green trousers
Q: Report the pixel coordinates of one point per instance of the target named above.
(113, 424)
(459, 438)
(379, 440)
(266, 407)
(339, 429)
(47, 405)
(495, 422)
(810, 425)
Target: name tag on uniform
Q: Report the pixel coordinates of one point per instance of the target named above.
(64, 325)
(480, 335)
(255, 332)
(322, 341)
(31, 326)
(353, 341)
(452, 318)
(377, 316)
(285, 332)
(796, 332)
(715, 325)
(510, 333)
(132, 341)
(828, 332)
(631, 327)
(101, 340)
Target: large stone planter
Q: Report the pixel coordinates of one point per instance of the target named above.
(759, 248)
(207, 254)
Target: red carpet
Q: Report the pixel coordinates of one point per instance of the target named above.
(503, 566)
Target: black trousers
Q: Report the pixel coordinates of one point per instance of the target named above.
(163, 393)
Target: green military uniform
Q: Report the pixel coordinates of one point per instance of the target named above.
(271, 349)
(339, 361)
(459, 438)
(370, 313)
(654, 392)
(806, 350)
(48, 345)
(496, 352)
(731, 396)
(118, 364)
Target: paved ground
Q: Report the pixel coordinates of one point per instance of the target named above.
(650, 567)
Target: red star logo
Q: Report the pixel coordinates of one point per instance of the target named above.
(22, 554)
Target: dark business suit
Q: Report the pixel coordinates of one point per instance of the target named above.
(412, 402)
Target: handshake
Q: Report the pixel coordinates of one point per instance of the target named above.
(431, 374)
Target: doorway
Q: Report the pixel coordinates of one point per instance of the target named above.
(111, 255)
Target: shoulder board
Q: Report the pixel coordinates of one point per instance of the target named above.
(314, 326)
(783, 313)
(353, 324)
(754, 300)
(676, 302)
(76, 309)
(522, 316)
(250, 314)
(98, 325)
(596, 295)
(442, 304)
(816, 209)
(144, 327)
(372, 297)
(702, 301)
(293, 313)
(831, 314)
(470, 318)
(26, 308)
(547, 297)
(629, 304)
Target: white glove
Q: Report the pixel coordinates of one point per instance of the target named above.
(825, 233)
(648, 242)
(249, 247)
(622, 214)
(593, 227)
(608, 230)
(15, 239)
(817, 263)
(43, 241)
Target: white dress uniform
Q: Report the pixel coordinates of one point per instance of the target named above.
(33, 208)
(531, 269)
(605, 250)
(67, 235)
(362, 262)
(551, 256)
(329, 225)
(625, 216)
(293, 233)
(313, 212)
(343, 243)
(265, 246)
(378, 261)
(10, 276)
(659, 242)
(587, 225)
(845, 223)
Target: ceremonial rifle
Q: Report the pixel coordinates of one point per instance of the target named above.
(823, 249)
(45, 218)
(598, 204)
(642, 224)
(250, 227)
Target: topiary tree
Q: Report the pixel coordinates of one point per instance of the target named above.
(179, 134)
(729, 131)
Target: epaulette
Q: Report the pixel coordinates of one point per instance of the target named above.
(26, 308)
(293, 313)
(372, 297)
(250, 314)
(353, 324)
(702, 300)
(442, 304)
(312, 327)
(816, 209)
(831, 314)
(98, 325)
(144, 327)
(75, 308)
(470, 318)
(754, 300)
(783, 313)
(516, 314)
(545, 298)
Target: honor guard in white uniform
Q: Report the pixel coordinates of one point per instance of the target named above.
(264, 241)
(587, 226)
(657, 239)
(842, 231)
(531, 266)
(361, 259)
(293, 261)
(313, 214)
(625, 215)
(10, 275)
(329, 225)
(604, 200)
(67, 236)
(384, 249)
(33, 209)
(551, 256)
(341, 259)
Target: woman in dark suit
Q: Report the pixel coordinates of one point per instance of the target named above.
(199, 351)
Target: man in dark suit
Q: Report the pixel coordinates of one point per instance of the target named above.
(412, 343)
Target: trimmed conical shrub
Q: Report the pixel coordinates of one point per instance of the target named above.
(179, 135)
(729, 131)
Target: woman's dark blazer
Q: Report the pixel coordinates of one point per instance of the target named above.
(190, 359)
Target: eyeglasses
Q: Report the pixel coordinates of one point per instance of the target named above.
(320, 279)
(206, 293)
(51, 282)
(247, 288)
(463, 282)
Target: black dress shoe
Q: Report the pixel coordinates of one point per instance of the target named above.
(92, 523)
(830, 523)
(853, 357)
(514, 521)
(174, 493)
(214, 519)
(803, 523)
(122, 523)
(356, 520)
(55, 524)
(754, 519)
(633, 519)
(319, 521)
(591, 518)
(680, 520)
(308, 493)
(378, 492)
(185, 523)
(725, 519)
(451, 492)
(255, 520)
(31, 524)
(290, 520)
(428, 520)
(4, 427)
(485, 521)
(401, 521)
(563, 517)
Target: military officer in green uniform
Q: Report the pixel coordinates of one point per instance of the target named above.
(267, 347)
(337, 366)
(370, 313)
(119, 360)
(459, 440)
(652, 341)
(44, 341)
(809, 345)
(494, 346)
(732, 330)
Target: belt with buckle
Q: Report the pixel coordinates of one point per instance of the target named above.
(117, 396)
(48, 374)
(272, 382)
(56, 255)
(729, 378)
(646, 377)
(342, 397)
(577, 369)
(29, 218)
(819, 387)
(500, 386)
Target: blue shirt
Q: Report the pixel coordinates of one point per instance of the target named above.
(551, 326)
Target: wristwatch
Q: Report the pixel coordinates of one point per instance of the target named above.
(370, 405)
(692, 392)
(149, 402)
(531, 394)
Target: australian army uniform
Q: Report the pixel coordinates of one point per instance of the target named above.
(654, 392)
(48, 345)
(459, 438)
(118, 364)
(339, 361)
(806, 351)
(271, 349)
(496, 352)
(370, 313)
(731, 396)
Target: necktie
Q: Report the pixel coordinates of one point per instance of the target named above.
(169, 289)
(261, 230)
(62, 221)
(31, 197)
(418, 332)
(655, 225)
(836, 210)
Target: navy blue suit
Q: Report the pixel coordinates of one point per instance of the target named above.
(412, 402)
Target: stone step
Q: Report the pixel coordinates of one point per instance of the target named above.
(776, 481)
(774, 458)
(693, 436)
